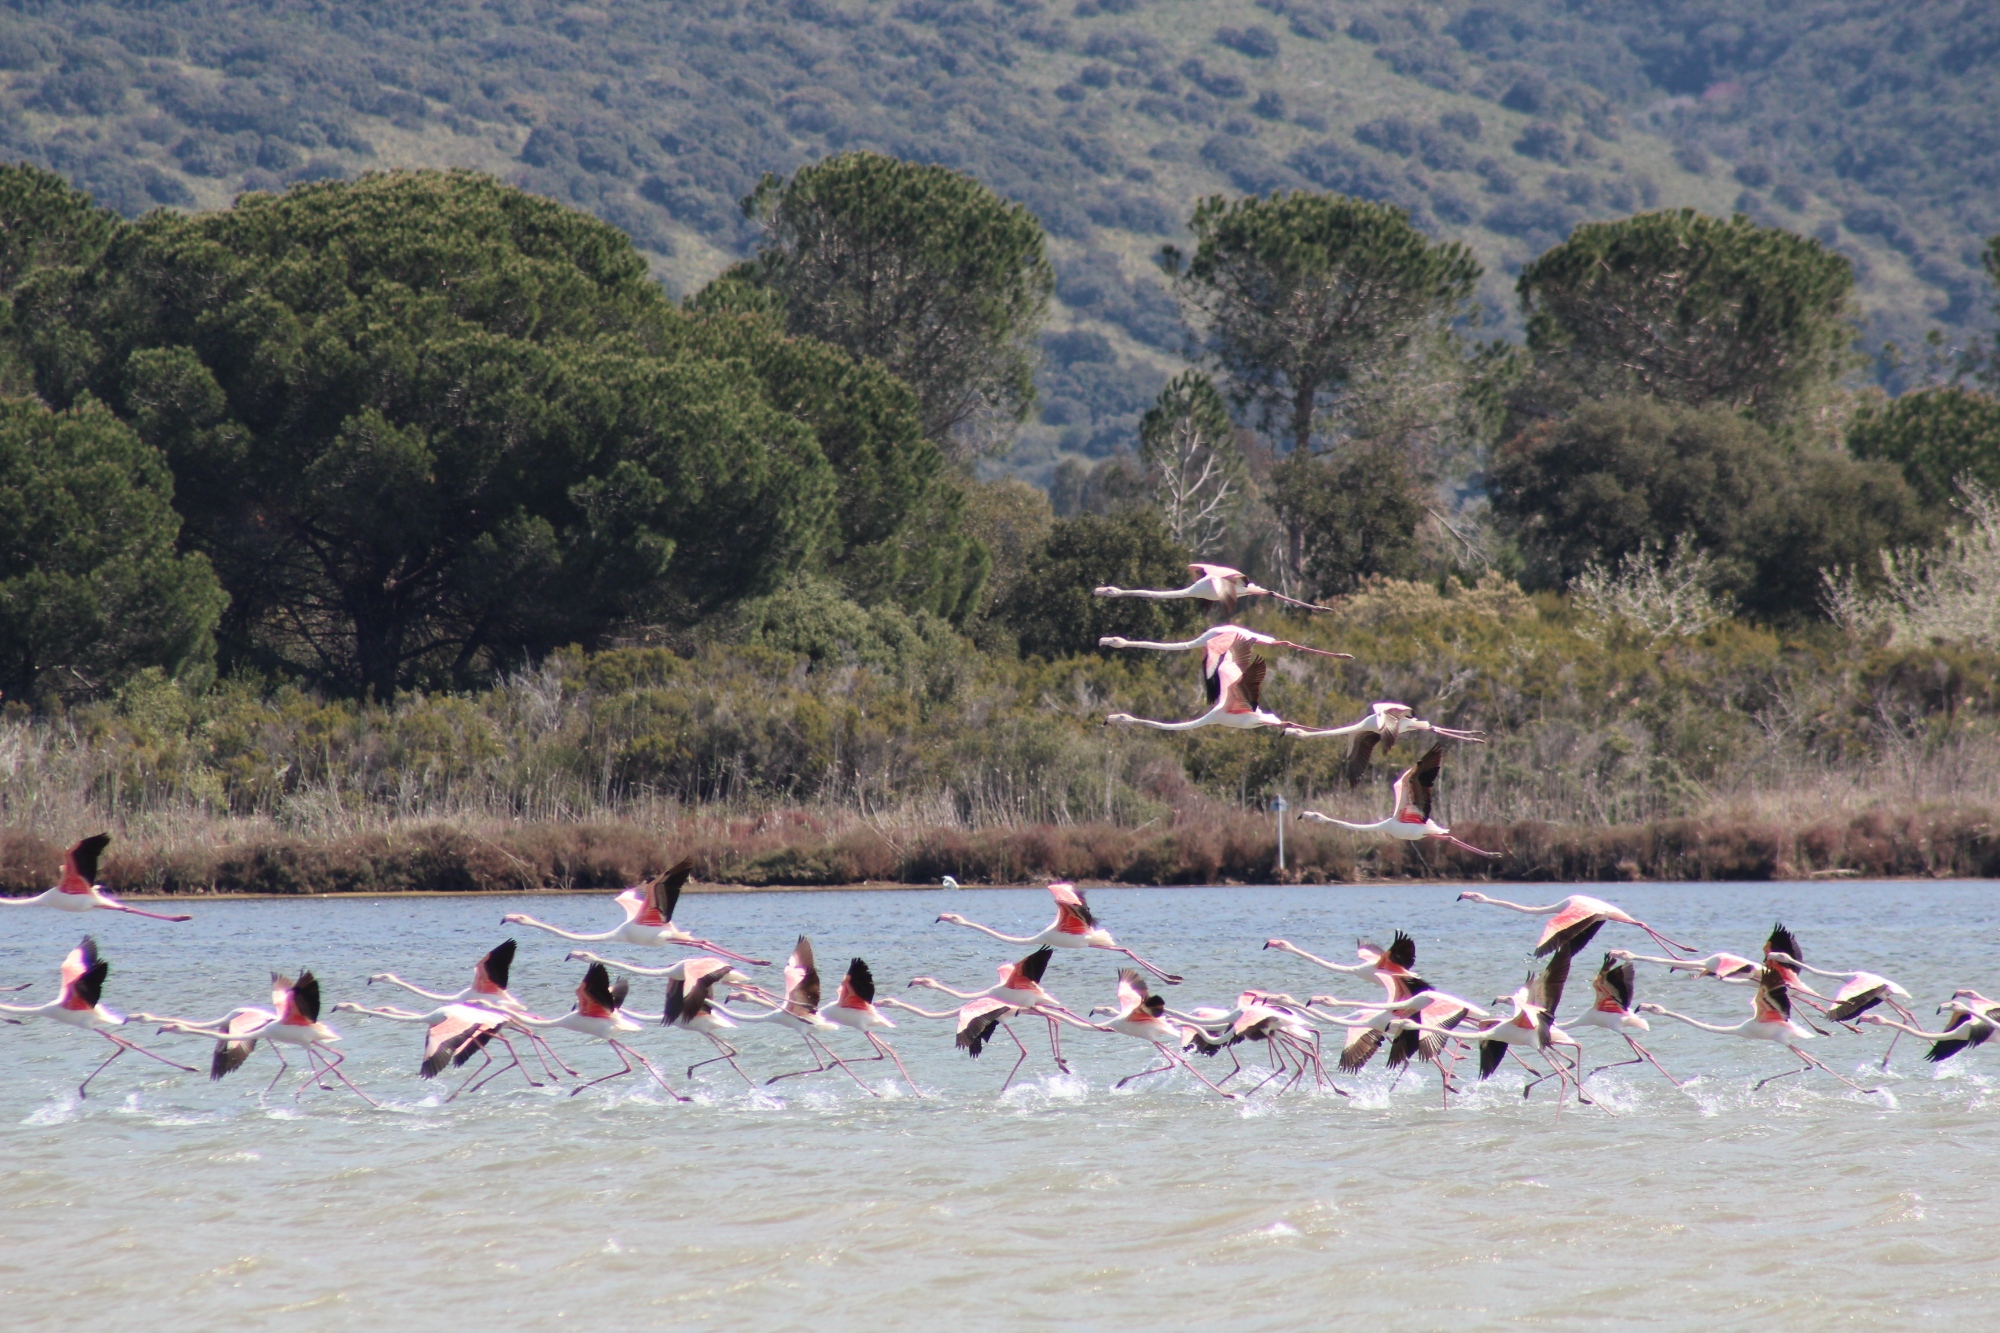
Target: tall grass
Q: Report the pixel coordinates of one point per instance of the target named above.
(1610, 751)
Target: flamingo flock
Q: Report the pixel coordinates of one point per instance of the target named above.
(1257, 1039)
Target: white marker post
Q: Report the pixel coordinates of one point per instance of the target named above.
(1278, 804)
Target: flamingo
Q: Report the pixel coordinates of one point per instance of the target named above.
(977, 1021)
(800, 1013)
(1611, 1009)
(1574, 921)
(1212, 583)
(1020, 988)
(1209, 638)
(78, 891)
(649, 917)
(292, 1020)
(1733, 968)
(1415, 793)
(1533, 1024)
(1142, 1014)
(79, 1003)
(854, 1007)
(1286, 1035)
(1970, 1026)
(1234, 685)
(600, 1013)
(457, 1032)
(488, 990)
(1858, 993)
(1770, 1020)
(1392, 967)
(1384, 725)
(689, 1008)
(1074, 928)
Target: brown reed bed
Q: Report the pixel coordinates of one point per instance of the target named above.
(802, 848)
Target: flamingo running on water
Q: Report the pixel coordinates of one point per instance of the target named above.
(488, 990)
(79, 1004)
(977, 1021)
(1971, 1024)
(292, 1020)
(1611, 1009)
(800, 1012)
(1291, 1041)
(649, 917)
(1574, 921)
(1533, 1024)
(1074, 928)
(455, 1033)
(1235, 686)
(1415, 793)
(1733, 968)
(1223, 635)
(690, 1008)
(1392, 967)
(78, 891)
(600, 1013)
(1142, 1015)
(1384, 725)
(1212, 583)
(1770, 1020)
(1020, 988)
(854, 1008)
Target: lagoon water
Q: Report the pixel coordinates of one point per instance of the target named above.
(166, 1202)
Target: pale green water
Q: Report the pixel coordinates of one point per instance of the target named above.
(166, 1202)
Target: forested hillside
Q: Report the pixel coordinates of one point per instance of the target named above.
(1501, 124)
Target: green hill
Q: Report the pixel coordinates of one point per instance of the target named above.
(1501, 123)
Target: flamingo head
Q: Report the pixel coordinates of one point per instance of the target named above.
(1113, 641)
(1869, 1018)
(1781, 958)
(1650, 1008)
(1470, 897)
(1394, 710)
(1285, 945)
(929, 983)
(952, 917)
(379, 976)
(512, 919)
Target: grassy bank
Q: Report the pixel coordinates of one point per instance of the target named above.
(804, 849)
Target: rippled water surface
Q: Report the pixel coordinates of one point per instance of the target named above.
(168, 1202)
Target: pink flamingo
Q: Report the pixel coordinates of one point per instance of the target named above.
(1142, 1014)
(1020, 987)
(78, 891)
(1574, 921)
(600, 1013)
(800, 1012)
(649, 917)
(1384, 725)
(1533, 1024)
(1222, 635)
(455, 1033)
(854, 1008)
(977, 1021)
(1970, 1025)
(690, 1008)
(1770, 1020)
(79, 1004)
(1611, 1009)
(1733, 968)
(1392, 967)
(1234, 686)
(488, 990)
(1212, 583)
(1074, 928)
(292, 1020)
(1410, 821)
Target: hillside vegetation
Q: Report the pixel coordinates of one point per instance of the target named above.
(1867, 125)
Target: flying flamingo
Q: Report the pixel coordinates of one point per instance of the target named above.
(854, 1007)
(977, 1021)
(649, 917)
(1212, 583)
(1209, 638)
(1770, 1020)
(488, 990)
(1073, 928)
(1234, 686)
(1733, 968)
(1142, 1015)
(1020, 987)
(1533, 1024)
(78, 891)
(1415, 793)
(1384, 725)
(1858, 993)
(690, 1009)
(1970, 1025)
(78, 1003)
(456, 1033)
(1574, 921)
(1611, 1009)
(1291, 1041)
(1392, 967)
(800, 1013)
(600, 1013)
(292, 1020)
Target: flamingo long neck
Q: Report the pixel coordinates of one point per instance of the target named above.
(1190, 725)
(962, 994)
(1731, 1030)
(395, 980)
(1157, 594)
(29, 901)
(922, 1013)
(1349, 968)
(1004, 939)
(1522, 907)
(22, 1008)
(565, 934)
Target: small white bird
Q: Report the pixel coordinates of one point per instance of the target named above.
(948, 883)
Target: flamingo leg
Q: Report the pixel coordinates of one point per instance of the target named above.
(334, 1060)
(82, 1089)
(283, 1066)
(828, 1054)
(1166, 978)
(1157, 1069)
(1828, 1070)
(545, 1052)
(157, 916)
(1055, 1044)
(728, 1053)
(1662, 940)
(890, 1051)
(713, 947)
(152, 1055)
(1184, 1062)
(1019, 1061)
(487, 1064)
(618, 1050)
